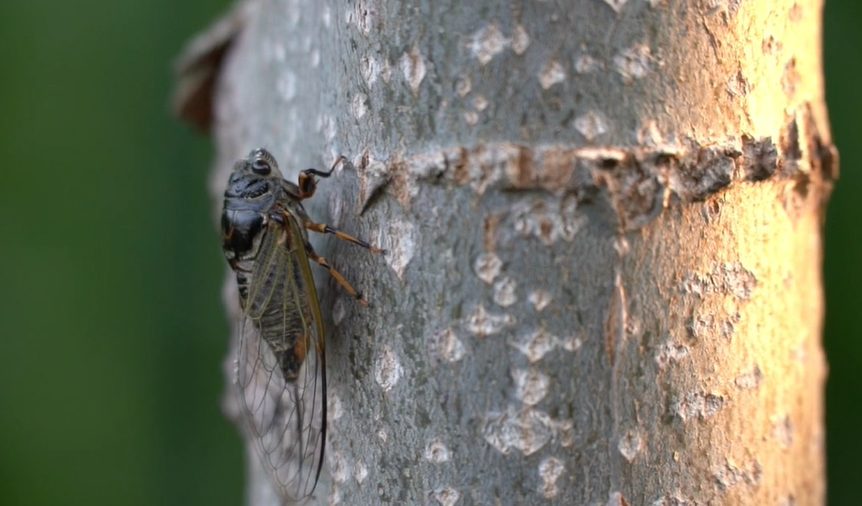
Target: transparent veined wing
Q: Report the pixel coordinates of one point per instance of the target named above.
(281, 373)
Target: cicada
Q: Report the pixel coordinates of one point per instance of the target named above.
(280, 358)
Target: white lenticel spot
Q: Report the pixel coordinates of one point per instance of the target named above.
(520, 40)
(634, 62)
(526, 430)
(731, 474)
(286, 85)
(540, 299)
(463, 86)
(566, 429)
(279, 53)
(365, 15)
(531, 386)
(482, 323)
(446, 346)
(326, 16)
(445, 496)
(535, 345)
(504, 291)
(413, 68)
(550, 470)
(370, 68)
(360, 471)
(697, 405)
(338, 467)
(388, 369)
(649, 134)
(487, 266)
(591, 125)
(670, 353)
(750, 380)
(552, 73)
(586, 64)
(436, 452)
(400, 241)
(630, 444)
(359, 105)
(385, 71)
(334, 406)
(338, 312)
(334, 495)
(572, 343)
(616, 5)
(487, 42)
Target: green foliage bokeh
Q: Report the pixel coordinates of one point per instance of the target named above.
(111, 327)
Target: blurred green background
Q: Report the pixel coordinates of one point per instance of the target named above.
(111, 327)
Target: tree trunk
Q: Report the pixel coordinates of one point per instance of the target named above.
(604, 230)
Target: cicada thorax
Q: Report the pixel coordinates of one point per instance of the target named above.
(248, 200)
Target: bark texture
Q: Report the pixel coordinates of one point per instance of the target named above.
(604, 225)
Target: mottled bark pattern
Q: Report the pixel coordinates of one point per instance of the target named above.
(603, 223)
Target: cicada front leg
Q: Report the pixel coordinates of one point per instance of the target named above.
(307, 183)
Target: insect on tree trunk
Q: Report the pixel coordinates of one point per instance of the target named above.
(604, 230)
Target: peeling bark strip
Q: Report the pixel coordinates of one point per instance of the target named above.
(199, 65)
(639, 181)
(603, 219)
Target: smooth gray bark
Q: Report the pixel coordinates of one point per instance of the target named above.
(603, 221)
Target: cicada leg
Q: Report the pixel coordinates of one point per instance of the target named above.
(323, 228)
(308, 184)
(338, 277)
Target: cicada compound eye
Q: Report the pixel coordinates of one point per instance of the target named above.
(261, 167)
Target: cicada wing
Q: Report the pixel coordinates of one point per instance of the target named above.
(283, 400)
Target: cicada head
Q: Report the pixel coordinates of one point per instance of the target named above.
(254, 176)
